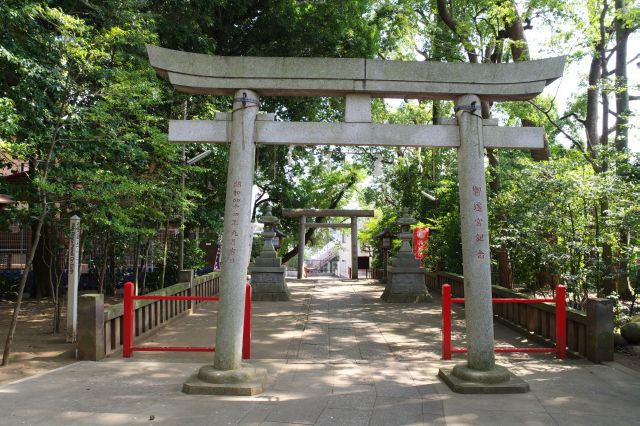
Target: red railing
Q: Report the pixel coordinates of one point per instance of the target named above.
(128, 331)
(561, 323)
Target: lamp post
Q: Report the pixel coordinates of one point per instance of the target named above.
(384, 242)
(188, 162)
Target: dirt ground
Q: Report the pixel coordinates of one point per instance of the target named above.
(36, 350)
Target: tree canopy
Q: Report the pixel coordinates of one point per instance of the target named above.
(80, 104)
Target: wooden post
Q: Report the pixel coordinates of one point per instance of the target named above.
(301, 242)
(73, 277)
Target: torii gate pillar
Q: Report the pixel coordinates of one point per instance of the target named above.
(479, 374)
(301, 242)
(475, 236)
(228, 375)
(354, 248)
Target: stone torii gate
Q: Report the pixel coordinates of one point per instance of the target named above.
(358, 80)
(303, 214)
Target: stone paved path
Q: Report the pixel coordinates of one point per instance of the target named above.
(336, 355)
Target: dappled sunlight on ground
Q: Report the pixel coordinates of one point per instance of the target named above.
(335, 354)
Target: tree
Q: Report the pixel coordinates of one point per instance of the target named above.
(603, 33)
(48, 58)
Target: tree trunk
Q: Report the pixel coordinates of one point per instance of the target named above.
(591, 121)
(515, 31)
(57, 314)
(55, 277)
(136, 260)
(112, 269)
(41, 261)
(42, 195)
(505, 270)
(145, 264)
(622, 92)
(164, 254)
(623, 284)
(23, 282)
(609, 280)
(103, 267)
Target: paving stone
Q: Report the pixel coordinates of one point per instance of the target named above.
(435, 419)
(304, 410)
(498, 418)
(609, 419)
(257, 414)
(358, 397)
(397, 411)
(344, 417)
(73, 418)
(315, 375)
(511, 403)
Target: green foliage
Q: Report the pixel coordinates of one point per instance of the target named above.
(9, 121)
(74, 78)
(8, 287)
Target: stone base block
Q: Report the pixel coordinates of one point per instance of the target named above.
(416, 297)
(484, 382)
(406, 285)
(244, 381)
(269, 284)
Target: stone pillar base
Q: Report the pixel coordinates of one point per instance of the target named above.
(269, 284)
(244, 381)
(600, 330)
(414, 297)
(462, 379)
(90, 342)
(406, 287)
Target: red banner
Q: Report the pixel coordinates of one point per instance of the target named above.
(420, 239)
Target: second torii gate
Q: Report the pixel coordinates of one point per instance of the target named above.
(303, 214)
(358, 80)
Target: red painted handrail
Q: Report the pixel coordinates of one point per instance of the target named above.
(128, 331)
(561, 323)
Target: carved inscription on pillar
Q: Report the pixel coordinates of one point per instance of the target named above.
(235, 214)
(479, 222)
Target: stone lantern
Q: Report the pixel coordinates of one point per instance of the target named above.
(406, 283)
(267, 274)
(277, 239)
(384, 244)
(269, 221)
